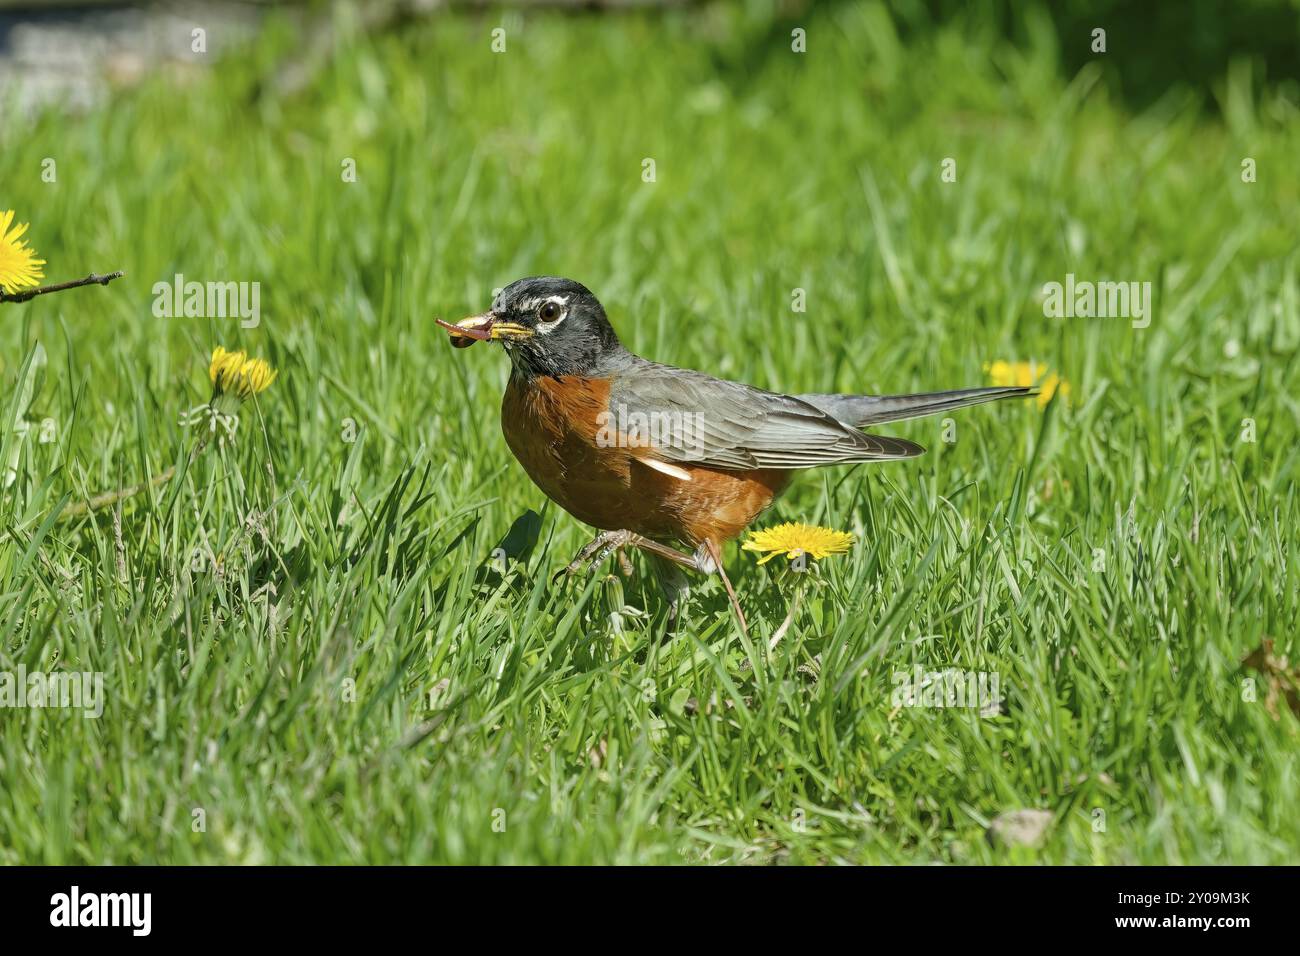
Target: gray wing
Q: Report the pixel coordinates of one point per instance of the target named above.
(692, 418)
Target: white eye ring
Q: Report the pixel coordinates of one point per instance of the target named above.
(557, 309)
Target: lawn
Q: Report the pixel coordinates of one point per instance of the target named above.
(337, 640)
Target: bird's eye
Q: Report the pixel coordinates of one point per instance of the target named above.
(549, 312)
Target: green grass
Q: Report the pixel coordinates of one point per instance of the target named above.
(564, 715)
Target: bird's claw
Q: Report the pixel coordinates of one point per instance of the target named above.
(594, 553)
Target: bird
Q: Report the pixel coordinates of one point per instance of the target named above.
(671, 461)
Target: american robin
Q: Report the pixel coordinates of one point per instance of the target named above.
(657, 456)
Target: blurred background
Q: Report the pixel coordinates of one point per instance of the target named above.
(68, 50)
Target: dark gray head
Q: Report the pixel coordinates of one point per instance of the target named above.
(548, 325)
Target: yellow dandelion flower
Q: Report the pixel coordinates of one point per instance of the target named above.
(223, 365)
(235, 377)
(234, 373)
(795, 539)
(1027, 374)
(19, 267)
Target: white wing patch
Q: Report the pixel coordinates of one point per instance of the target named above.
(671, 471)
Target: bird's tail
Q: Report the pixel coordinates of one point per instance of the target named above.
(863, 410)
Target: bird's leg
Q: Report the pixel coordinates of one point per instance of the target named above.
(595, 551)
(665, 552)
(715, 553)
(707, 559)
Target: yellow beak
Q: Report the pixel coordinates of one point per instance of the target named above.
(485, 326)
(509, 330)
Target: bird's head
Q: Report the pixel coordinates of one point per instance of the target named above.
(548, 325)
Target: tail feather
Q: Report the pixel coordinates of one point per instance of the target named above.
(863, 410)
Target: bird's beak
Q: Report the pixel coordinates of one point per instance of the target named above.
(468, 331)
(483, 327)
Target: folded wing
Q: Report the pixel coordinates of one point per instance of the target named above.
(687, 417)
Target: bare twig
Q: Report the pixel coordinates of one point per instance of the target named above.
(113, 497)
(91, 279)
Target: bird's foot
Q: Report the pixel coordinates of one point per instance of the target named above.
(707, 559)
(595, 551)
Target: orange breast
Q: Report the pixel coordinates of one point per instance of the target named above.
(552, 424)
